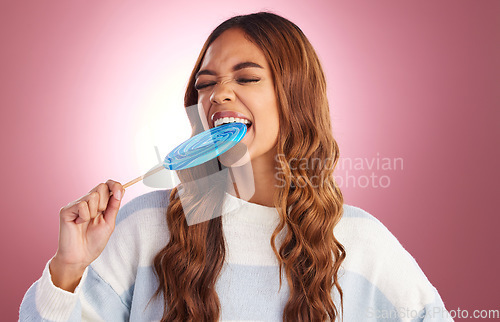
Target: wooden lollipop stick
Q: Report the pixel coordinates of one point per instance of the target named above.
(155, 170)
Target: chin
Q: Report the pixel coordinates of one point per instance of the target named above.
(237, 156)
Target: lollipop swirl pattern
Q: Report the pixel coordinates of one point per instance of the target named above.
(205, 146)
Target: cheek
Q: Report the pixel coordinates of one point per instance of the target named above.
(264, 102)
(204, 104)
(264, 107)
(270, 110)
(273, 119)
(268, 125)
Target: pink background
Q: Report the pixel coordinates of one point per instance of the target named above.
(81, 81)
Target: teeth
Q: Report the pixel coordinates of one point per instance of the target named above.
(226, 120)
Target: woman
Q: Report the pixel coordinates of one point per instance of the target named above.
(232, 235)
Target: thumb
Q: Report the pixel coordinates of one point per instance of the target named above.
(113, 206)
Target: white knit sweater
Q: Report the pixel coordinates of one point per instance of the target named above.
(379, 278)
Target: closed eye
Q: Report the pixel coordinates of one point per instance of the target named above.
(240, 80)
(247, 80)
(201, 86)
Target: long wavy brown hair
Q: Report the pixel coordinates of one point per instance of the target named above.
(308, 200)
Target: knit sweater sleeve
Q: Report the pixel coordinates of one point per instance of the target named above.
(46, 302)
(107, 285)
(94, 299)
(383, 279)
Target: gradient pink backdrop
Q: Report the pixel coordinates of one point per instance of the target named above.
(417, 80)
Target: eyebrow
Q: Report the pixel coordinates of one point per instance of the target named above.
(236, 67)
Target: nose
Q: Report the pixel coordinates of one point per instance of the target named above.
(222, 93)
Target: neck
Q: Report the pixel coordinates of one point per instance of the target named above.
(254, 181)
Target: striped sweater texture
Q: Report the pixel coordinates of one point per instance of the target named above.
(379, 278)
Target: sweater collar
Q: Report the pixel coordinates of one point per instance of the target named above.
(241, 210)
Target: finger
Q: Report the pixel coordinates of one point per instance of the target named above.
(93, 202)
(116, 189)
(103, 191)
(69, 212)
(114, 202)
(82, 210)
(112, 211)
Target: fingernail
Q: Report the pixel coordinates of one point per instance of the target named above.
(118, 195)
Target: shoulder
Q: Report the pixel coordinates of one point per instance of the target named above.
(375, 255)
(149, 203)
(357, 226)
(361, 230)
(141, 225)
(362, 234)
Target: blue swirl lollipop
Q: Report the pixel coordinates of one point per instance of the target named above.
(205, 146)
(199, 149)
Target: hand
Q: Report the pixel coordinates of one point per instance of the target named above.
(84, 230)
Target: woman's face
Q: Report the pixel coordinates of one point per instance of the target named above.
(235, 77)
